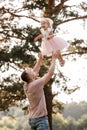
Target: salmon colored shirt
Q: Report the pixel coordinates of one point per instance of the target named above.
(35, 94)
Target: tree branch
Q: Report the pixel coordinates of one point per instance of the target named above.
(69, 20)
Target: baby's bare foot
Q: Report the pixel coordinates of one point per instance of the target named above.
(62, 62)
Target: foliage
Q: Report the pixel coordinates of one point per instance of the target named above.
(13, 120)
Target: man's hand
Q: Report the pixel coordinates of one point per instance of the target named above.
(55, 54)
(40, 56)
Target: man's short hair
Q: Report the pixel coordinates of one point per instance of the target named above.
(25, 76)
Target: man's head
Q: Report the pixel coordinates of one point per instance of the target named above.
(28, 75)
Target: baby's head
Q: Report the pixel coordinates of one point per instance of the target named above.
(47, 22)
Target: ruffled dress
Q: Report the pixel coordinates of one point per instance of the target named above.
(53, 44)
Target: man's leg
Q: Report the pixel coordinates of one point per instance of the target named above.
(42, 123)
(32, 124)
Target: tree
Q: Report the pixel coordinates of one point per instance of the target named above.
(72, 124)
(59, 123)
(17, 46)
(82, 123)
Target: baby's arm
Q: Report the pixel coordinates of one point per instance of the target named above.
(38, 37)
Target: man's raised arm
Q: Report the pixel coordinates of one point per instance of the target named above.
(48, 75)
(36, 68)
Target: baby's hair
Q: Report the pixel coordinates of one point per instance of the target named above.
(47, 20)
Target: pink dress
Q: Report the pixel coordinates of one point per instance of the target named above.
(53, 44)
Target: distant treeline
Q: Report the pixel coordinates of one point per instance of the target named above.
(75, 110)
(73, 117)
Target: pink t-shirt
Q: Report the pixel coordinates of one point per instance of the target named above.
(35, 94)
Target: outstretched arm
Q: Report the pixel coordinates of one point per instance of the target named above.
(48, 76)
(36, 68)
(38, 37)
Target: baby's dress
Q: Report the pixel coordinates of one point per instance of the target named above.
(53, 44)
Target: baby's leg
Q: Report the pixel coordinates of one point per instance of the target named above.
(60, 58)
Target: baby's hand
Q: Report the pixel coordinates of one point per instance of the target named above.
(35, 39)
(49, 37)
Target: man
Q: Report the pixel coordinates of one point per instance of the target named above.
(33, 89)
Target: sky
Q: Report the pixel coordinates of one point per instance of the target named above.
(77, 72)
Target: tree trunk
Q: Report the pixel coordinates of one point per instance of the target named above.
(48, 10)
(51, 3)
